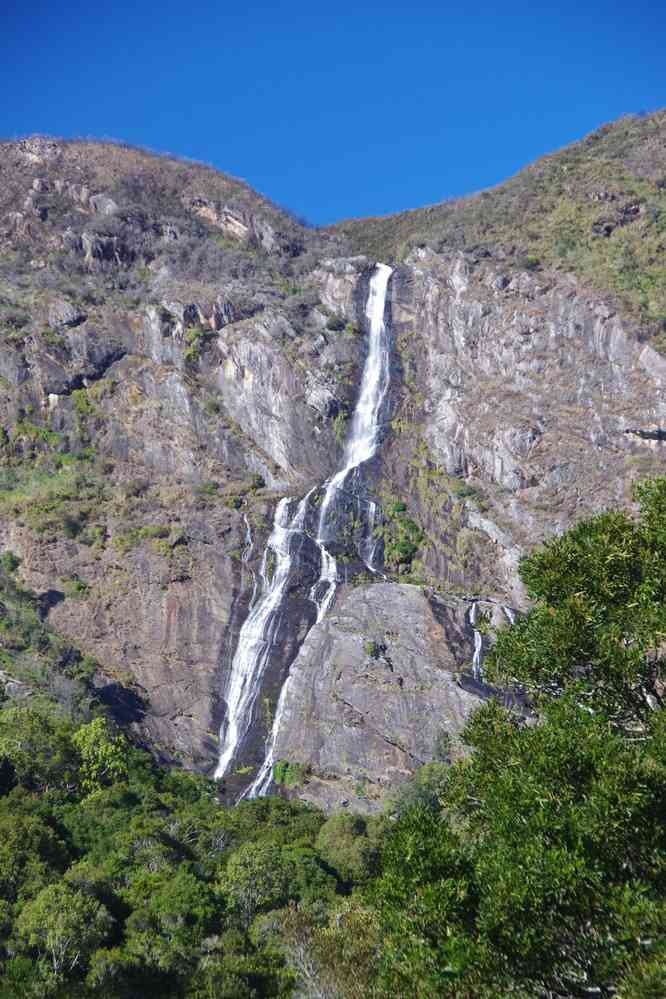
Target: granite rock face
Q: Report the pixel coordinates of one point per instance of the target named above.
(161, 332)
(532, 404)
(374, 687)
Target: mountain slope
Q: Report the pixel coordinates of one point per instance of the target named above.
(596, 208)
(177, 354)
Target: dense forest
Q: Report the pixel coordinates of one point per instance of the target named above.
(530, 861)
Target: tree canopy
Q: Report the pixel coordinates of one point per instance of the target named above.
(534, 866)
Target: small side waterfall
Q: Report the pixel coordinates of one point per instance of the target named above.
(477, 655)
(342, 493)
(478, 642)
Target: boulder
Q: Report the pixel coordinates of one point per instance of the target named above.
(63, 313)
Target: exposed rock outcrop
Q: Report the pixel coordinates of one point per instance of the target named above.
(520, 393)
(375, 686)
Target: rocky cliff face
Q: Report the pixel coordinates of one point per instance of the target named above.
(376, 688)
(177, 354)
(526, 402)
(148, 412)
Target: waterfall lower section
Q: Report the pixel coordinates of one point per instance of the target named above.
(257, 634)
(304, 537)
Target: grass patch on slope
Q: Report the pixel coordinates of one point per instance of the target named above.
(596, 208)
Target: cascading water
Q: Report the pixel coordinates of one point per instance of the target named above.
(477, 669)
(478, 642)
(258, 632)
(364, 435)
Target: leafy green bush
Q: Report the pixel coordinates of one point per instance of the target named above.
(289, 774)
(9, 562)
(73, 586)
(125, 541)
(58, 497)
(373, 648)
(402, 536)
(196, 337)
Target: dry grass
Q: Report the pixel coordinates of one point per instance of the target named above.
(552, 215)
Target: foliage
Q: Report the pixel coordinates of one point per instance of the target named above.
(101, 753)
(125, 541)
(340, 421)
(118, 878)
(196, 337)
(534, 866)
(537, 865)
(64, 926)
(289, 774)
(402, 536)
(350, 845)
(33, 654)
(600, 615)
(9, 562)
(60, 494)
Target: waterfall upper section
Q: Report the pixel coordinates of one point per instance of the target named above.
(362, 441)
(299, 564)
(344, 489)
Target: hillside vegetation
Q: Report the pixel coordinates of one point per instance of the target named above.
(533, 867)
(596, 208)
(103, 225)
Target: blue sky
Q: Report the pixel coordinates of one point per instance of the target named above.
(340, 110)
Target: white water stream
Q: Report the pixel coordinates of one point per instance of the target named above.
(478, 642)
(364, 434)
(258, 633)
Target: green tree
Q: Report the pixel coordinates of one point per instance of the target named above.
(538, 866)
(31, 853)
(36, 741)
(172, 911)
(63, 926)
(544, 870)
(343, 843)
(256, 879)
(102, 755)
(599, 618)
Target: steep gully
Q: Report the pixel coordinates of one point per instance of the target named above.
(343, 496)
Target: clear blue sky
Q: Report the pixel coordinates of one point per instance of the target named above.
(347, 109)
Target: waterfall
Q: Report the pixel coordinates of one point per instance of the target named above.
(258, 633)
(264, 778)
(370, 541)
(363, 438)
(478, 642)
(510, 614)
